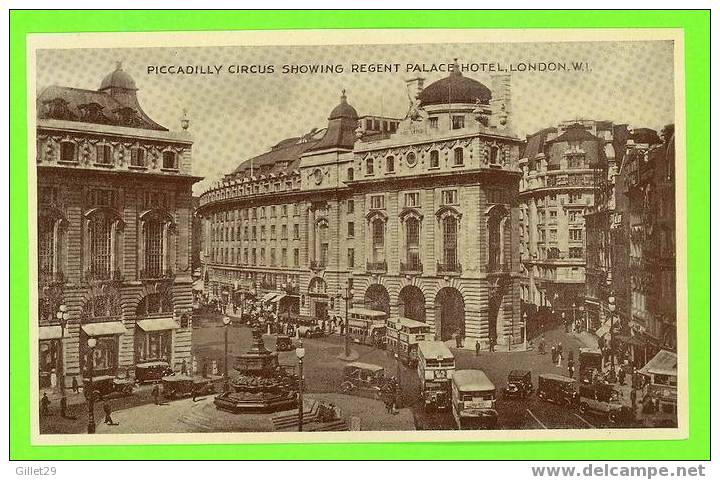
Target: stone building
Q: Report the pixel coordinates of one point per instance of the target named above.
(113, 239)
(417, 219)
(559, 167)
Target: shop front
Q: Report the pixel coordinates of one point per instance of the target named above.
(107, 344)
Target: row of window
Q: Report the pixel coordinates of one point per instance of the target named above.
(255, 256)
(255, 188)
(233, 233)
(410, 159)
(104, 155)
(254, 213)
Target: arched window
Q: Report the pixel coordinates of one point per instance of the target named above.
(449, 230)
(154, 248)
(458, 156)
(101, 254)
(378, 240)
(498, 237)
(156, 228)
(323, 243)
(350, 174)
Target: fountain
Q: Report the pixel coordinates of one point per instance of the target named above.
(263, 384)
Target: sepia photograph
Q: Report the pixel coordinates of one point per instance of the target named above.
(352, 236)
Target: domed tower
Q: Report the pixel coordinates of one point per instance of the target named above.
(119, 85)
(342, 123)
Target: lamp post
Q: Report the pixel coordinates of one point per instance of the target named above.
(226, 322)
(562, 315)
(524, 327)
(346, 297)
(573, 316)
(583, 317)
(611, 308)
(91, 394)
(300, 353)
(63, 316)
(399, 384)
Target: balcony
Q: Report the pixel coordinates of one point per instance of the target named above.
(317, 265)
(102, 275)
(449, 268)
(49, 277)
(156, 274)
(413, 266)
(376, 266)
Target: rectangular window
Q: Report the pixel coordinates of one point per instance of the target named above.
(576, 252)
(245, 256)
(433, 122)
(254, 232)
(262, 232)
(273, 211)
(575, 198)
(553, 235)
(449, 197)
(272, 257)
(458, 156)
(283, 257)
(262, 256)
(351, 257)
(170, 160)
(377, 201)
(137, 157)
(576, 234)
(458, 122)
(296, 232)
(283, 232)
(434, 159)
(370, 166)
(412, 199)
(272, 232)
(284, 210)
(154, 249)
(104, 154)
(67, 152)
(390, 164)
(296, 257)
(351, 229)
(351, 206)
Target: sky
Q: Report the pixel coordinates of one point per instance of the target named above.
(235, 116)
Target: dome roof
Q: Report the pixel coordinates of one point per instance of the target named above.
(118, 79)
(455, 88)
(343, 110)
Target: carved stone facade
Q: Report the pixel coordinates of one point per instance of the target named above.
(114, 216)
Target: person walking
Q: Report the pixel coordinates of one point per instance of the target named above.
(44, 405)
(156, 394)
(571, 369)
(553, 354)
(75, 386)
(477, 348)
(621, 375)
(108, 410)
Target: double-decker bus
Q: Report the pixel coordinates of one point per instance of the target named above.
(473, 400)
(403, 335)
(436, 365)
(367, 326)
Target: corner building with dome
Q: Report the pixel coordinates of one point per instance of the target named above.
(114, 200)
(416, 217)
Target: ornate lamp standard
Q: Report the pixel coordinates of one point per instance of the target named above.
(524, 327)
(226, 322)
(347, 296)
(91, 394)
(611, 308)
(300, 353)
(562, 315)
(573, 315)
(63, 316)
(399, 384)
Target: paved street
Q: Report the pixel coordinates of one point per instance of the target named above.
(323, 374)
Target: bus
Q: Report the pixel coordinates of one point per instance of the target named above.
(436, 365)
(367, 326)
(403, 335)
(473, 400)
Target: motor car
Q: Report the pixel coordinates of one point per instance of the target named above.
(519, 384)
(557, 389)
(283, 343)
(179, 386)
(603, 400)
(152, 372)
(108, 385)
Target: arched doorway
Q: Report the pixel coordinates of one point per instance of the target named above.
(412, 303)
(377, 298)
(317, 292)
(450, 312)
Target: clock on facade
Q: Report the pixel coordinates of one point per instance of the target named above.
(411, 159)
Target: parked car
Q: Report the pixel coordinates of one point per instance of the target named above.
(603, 400)
(519, 384)
(283, 343)
(557, 389)
(152, 372)
(178, 386)
(107, 385)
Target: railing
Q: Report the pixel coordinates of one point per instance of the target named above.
(317, 265)
(103, 275)
(156, 274)
(47, 276)
(376, 266)
(413, 266)
(453, 267)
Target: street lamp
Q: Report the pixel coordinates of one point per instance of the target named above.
(573, 315)
(63, 316)
(563, 321)
(524, 327)
(347, 296)
(226, 322)
(300, 353)
(91, 394)
(611, 307)
(582, 315)
(398, 377)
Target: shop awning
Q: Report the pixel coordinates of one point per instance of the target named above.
(50, 332)
(664, 363)
(270, 297)
(103, 328)
(156, 324)
(278, 297)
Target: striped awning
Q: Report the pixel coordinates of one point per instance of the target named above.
(49, 332)
(157, 324)
(103, 328)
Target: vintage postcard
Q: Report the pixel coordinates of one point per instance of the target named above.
(358, 235)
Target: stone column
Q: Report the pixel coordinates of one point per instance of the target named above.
(311, 234)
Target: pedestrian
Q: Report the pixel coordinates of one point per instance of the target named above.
(541, 347)
(156, 394)
(559, 359)
(75, 386)
(571, 356)
(560, 348)
(553, 354)
(44, 405)
(571, 370)
(108, 411)
(622, 374)
(477, 348)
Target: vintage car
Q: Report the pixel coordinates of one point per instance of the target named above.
(310, 331)
(557, 389)
(603, 400)
(152, 372)
(589, 361)
(283, 343)
(178, 386)
(519, 384)
(365, 377)
(107, 386)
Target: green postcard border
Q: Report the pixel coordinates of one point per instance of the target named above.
(696, 26)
